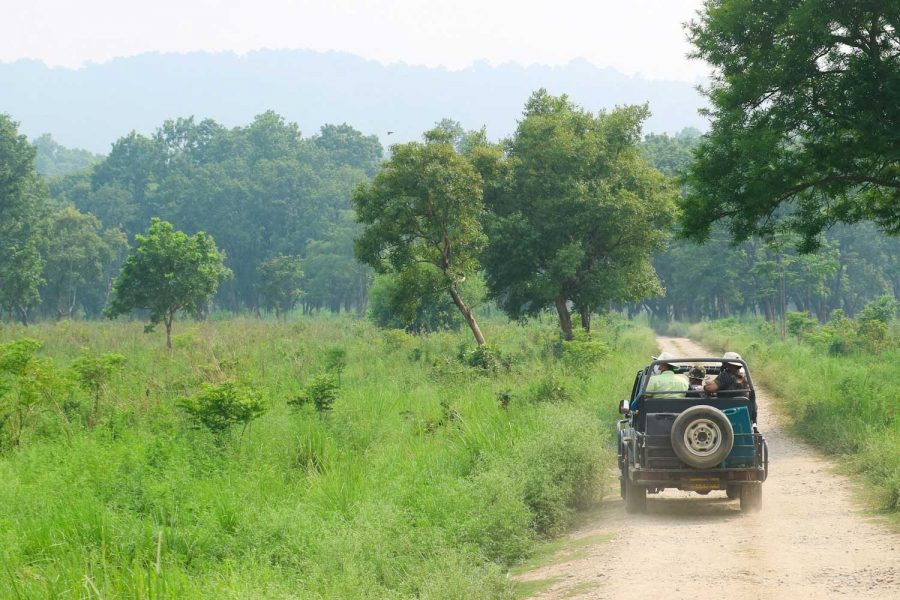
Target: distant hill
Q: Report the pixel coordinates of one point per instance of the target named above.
(95, 105)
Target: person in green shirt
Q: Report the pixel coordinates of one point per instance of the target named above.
(667, 380)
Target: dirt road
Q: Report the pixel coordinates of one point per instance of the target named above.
(811, 540)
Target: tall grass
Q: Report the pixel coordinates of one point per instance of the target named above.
(847, 405)
(427, 479)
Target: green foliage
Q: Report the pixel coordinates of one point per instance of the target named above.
(583, 353)
(322, 391)
(80, 262)
(260, 189)
(22, 200)
(279, 283)
(168, 271)
(335, 360)
(803, 118)
(577, 214)
(549, 388)
(840, 395)
(365, 503)
(54, 160)
(93, 372)
(485, 357)
(28, 385)
(424, 207)
(415, 300)
(882, 310)
(221, 406)
(800, 324)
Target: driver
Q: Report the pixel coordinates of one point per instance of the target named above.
(731, 378)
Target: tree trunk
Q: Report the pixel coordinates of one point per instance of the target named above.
(467, 315)
(565, 319)
(169, 318)
(23, 314)
(586, 319)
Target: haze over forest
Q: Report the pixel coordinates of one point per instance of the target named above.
(93, 106)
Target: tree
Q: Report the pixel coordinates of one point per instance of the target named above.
(805, 117)
(77, 254)
(168, 271)
(348, 146)
(279, 283)
(22, 201)
(581, 216)
(333, 278)
(54, 160)
(424, 208)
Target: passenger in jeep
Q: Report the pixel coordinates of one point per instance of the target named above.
(730, 379)
(666, 380)
(696, 376)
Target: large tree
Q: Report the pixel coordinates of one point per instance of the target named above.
(77, 255)
(580, 216)
(168, 271)
(423, 208)
(806, 122)
(22, 200)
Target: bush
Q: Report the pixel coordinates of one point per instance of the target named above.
(560, 468)
(93, 372)
(321, 392)
(487, 358)
(219, 407)
(582, 354)
(799, 324)
(549, 388)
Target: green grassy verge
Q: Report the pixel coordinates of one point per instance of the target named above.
(849, 405)
(428, 479)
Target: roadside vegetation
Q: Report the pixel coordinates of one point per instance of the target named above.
(315, 457)
(835, 382)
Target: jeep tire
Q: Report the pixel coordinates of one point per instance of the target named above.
(702, 436)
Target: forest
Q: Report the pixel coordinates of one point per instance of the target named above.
(279, 206)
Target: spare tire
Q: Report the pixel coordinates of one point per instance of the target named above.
(702, 436)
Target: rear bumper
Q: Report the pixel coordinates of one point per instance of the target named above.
(696, 479)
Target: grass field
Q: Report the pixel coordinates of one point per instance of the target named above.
(429, 477)
(848, 405)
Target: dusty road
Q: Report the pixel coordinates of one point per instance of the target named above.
(811, 540)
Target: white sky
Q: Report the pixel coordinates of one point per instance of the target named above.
(634, 36)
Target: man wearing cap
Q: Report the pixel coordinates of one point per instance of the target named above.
(730, 378)
(667, 380)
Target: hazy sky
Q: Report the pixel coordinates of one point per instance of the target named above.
(634, 36)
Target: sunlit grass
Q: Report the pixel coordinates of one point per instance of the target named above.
(846, 405)
(418, 483)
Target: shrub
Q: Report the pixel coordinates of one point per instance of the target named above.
(487, 358)
(580, 354)
(799, 324)
(27, 383)
(321, 392)
(559, 468)
(335, 361)
(221, 406)
(93, 372)
(549, 389)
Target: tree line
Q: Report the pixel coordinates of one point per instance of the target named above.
(271, 198)
(792, 193)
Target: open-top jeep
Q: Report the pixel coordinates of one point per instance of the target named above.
(691, 440)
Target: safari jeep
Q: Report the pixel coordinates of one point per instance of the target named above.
(691, 440)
